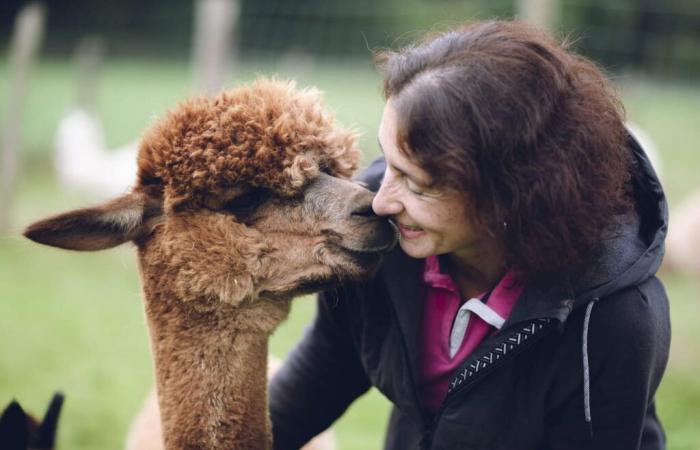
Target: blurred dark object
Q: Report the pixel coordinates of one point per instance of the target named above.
(20, 431)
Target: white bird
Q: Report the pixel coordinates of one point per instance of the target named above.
(83, 162)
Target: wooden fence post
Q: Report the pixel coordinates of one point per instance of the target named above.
(88, 55)
(27, 35)
(215, 22)
(544, 13)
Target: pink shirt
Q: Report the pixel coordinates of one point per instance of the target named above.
(442, 303)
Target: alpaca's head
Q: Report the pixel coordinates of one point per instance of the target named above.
(240, 196)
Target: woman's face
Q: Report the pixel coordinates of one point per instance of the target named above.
(432, 221)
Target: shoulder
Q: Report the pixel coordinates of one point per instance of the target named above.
(632, 310)
(631, 322)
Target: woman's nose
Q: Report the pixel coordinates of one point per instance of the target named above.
(384, 203)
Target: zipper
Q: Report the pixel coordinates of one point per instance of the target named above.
(542, 328)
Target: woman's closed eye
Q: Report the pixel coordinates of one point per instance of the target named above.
(401, 177)
(414, 188)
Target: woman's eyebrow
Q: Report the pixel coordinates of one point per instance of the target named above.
(421, 182)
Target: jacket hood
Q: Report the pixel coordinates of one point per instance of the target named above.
(636, 248)
(631, 254)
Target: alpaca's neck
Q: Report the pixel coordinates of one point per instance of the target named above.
(211, 374)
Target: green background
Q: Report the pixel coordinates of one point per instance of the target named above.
(74, 321)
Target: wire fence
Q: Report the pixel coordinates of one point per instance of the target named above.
(658, 37)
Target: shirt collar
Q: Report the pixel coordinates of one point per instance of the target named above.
(433, 277)
(502, 298)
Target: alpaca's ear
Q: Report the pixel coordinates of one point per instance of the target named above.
(14, 432)
(121, 220)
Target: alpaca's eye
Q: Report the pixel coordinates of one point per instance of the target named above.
(325, 168)
(247, 202)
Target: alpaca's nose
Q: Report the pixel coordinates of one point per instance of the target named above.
(360, 204)
(340, 199)
(363, 210)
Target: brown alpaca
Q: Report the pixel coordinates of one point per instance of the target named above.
(145, 431)
(241, 203)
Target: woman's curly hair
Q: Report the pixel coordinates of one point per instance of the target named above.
(532, 132)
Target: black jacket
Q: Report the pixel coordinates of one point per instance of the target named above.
(572, 368)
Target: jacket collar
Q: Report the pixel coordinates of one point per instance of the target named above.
(538, 302)
(403, 274)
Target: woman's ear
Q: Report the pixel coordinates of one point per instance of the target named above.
(121, 220)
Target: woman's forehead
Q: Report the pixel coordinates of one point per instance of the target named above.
(388, 144)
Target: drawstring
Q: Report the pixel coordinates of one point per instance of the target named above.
(586, 371)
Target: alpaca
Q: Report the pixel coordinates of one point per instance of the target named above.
(242, 201)
(21, 431)
(145, 432)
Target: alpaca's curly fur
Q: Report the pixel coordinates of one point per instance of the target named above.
(268, 134)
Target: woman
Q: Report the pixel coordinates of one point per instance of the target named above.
(521, 310)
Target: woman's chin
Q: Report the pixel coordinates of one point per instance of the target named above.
(413, 250)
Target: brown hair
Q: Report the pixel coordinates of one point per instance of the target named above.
(530, 131)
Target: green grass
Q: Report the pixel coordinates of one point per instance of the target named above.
(74, 321)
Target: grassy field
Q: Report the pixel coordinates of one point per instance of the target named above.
(74, 321)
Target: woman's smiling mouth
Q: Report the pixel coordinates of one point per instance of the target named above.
(409, 232)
